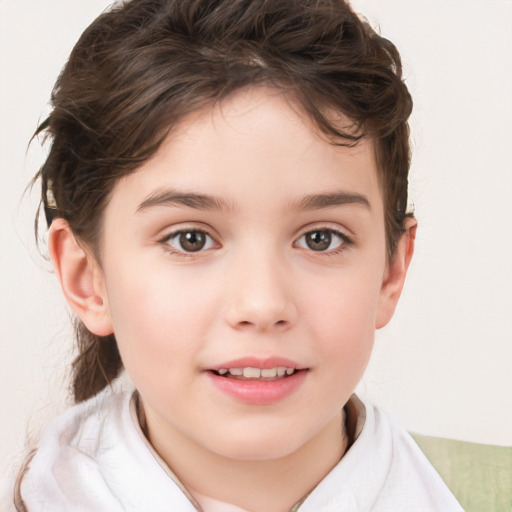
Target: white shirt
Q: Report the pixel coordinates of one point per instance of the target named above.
(94, 458)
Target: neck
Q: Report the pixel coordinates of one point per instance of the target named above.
(273, 485)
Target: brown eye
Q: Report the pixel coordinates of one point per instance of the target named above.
(321, 240)
(318, 240)
(190, 241)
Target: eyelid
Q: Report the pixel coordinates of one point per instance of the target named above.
(183, 228)
(347, 239)
(178, 227)
(326, 226)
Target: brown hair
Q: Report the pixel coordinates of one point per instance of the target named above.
(145, 64)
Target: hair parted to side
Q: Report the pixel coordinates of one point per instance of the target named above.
(144, 65)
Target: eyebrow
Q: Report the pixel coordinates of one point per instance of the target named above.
(208, 202)
(319, 201)
(187, 199)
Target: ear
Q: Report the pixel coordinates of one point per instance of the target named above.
(80, 277)
(394, 277)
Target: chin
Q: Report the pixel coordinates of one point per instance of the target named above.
(257, 446)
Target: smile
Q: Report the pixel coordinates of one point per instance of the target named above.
(279, 372)
(255, 381)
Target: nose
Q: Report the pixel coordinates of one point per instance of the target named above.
(261, 296)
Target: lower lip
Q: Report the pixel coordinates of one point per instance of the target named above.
(258, 392)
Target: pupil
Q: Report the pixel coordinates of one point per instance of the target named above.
(318, 240)
(192, 241)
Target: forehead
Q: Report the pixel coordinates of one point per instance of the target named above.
(257, 143)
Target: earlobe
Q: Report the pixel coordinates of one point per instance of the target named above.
(396, 272)
(80, 278)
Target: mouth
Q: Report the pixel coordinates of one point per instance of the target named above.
(249, 373)
(258, 381)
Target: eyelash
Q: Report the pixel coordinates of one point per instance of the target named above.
(345, 241)
(167, 239)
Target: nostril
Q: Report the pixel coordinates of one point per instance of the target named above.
(247, 323)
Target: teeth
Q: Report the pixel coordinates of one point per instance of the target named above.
(256, 373)
(252, 373)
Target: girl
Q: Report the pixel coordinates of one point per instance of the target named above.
(226, 196)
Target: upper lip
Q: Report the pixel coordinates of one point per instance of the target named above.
(256, 362)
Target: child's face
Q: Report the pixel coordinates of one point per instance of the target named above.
(247, 241)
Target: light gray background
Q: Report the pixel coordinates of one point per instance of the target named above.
(443, 366)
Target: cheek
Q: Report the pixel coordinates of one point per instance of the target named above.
(342, 314)
(159, 319)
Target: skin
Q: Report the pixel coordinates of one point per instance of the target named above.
(256, 289)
